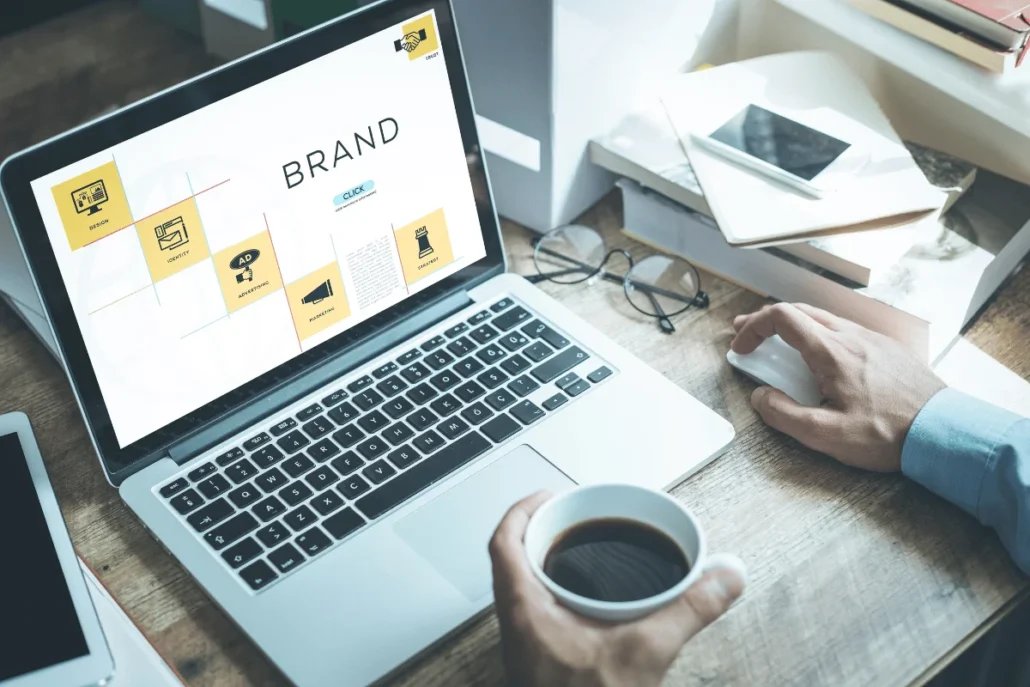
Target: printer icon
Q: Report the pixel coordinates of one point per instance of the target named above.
(171, 234)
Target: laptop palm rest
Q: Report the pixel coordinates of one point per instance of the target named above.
(455, 545)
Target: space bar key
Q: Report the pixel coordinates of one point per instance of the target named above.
(424, 474)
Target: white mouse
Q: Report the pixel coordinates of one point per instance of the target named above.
(776, 364)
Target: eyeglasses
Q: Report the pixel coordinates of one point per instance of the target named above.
(659, 286)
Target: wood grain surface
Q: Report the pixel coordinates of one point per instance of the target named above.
(855, 579)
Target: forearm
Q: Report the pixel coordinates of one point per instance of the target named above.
(978, 457)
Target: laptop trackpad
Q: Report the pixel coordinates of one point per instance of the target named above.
(451, 532)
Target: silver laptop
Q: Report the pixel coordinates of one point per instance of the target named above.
(280, 294)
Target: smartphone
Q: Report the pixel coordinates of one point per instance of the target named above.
(778, 147)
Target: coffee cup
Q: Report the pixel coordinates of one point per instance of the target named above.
(652, 522)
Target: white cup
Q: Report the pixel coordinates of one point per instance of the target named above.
(602, 501)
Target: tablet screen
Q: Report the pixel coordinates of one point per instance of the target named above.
(34, 596)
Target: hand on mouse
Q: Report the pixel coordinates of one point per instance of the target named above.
(546, 644)
(873, 386)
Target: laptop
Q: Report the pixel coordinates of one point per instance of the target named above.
(279, 291)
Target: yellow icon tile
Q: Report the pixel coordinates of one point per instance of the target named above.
(424, 246)
(92, 205)
(419, 38)
(318, 301)
(248, 271)
(172, 239)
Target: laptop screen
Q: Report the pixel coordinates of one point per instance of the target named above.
(214, 248)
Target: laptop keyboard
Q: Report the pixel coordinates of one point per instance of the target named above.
(359, 449)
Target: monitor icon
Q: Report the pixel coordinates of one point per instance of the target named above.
(90, 197)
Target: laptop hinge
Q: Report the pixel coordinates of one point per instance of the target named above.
(293, 389)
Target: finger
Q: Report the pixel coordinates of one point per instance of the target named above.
(823, 317)
(511, 567)
(813, 427)
(796, 328)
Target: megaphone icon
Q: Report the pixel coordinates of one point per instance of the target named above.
(319, 294)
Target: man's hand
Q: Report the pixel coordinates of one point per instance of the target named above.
(546, 644)
(873, 387)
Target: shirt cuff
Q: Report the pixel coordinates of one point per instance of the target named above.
(950, 446)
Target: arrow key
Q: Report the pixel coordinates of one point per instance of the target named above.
(244, 552)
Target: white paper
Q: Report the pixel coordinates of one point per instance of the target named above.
(508, 143)
(248, 11)
(968, 369)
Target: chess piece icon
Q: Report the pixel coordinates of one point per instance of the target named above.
(422, 236)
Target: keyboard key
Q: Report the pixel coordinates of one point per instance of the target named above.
(391, 386)
(484, 334)
(343, 523)
(422, 419)
(439, 359)
(421, 393)
(500, 428)
(599, 374)
(293, 442)
(502, 304)
(537, 352)
(373, 422)
(202, 472)
(491, 354)
(295, 493)
(334, 398)
(559, 364)
(398, 407)
(445, 405)
(577, 388)
(347, 463)
(403, 457)
(353, 487)
(552, 337)
(309, 412)
(415, 373)
(409, 356)
(514, 341)
(477, 413)
(515, 365)
(231, 530)
(423, 474)
(271, 480)
(318, 428)
(214, 486)
(567, 380)
(322, 478)
(511, 318)
(348, 436)
(323, 450)
(244, 552)
(297, 466)
(372, 448)
(492, 378)
(258, 575)
(313, 542)
(326, 502)
(461, 347)
(299, 518)
(210, 515)
(286, 558)
(435, 342)
(384, 370)
(367, 399)
(378, 472)
(479, 317)
(398, 433)
(526, 412)
(343, 414)
(523, 386)
(267, 456)
(187, 501)
(257, 442)
(555, 401)
(533, 329)
(428, 442)
(269, 508)
(469, 391)
(229, 456)
(272, 534)
(456, 329)
(173, 488)
(468, 367)
(445, 380)
(500, 399)
(283, 427)
(241, 471)
(359, 384)
(245, 495)
(453, 428)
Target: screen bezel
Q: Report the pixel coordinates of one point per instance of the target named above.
(18, 171)
(97, 665)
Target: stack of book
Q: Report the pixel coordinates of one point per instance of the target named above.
(994, 34)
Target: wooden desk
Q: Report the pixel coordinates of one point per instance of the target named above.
(855, 578)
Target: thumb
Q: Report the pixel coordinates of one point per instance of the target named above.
(813, 427)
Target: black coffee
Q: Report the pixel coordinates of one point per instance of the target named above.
(615, 559)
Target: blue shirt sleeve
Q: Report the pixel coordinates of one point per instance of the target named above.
(978, 457)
